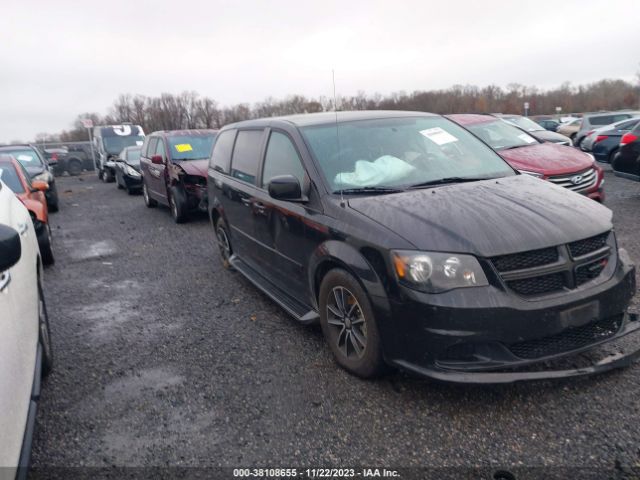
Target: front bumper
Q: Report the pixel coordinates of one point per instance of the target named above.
(132, 182)
(479, 335)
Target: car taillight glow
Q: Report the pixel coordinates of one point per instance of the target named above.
(628, 138)
(600, 138)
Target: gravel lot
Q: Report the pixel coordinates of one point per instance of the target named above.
(163, 358)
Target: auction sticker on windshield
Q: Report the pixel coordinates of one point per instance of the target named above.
(526, 138)
(184, 147)
(438, 136)
(25, 158)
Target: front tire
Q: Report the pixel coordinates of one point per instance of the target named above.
(44, 242)
(349, 326)
(44, 336)
(107, 175)
(178, 204)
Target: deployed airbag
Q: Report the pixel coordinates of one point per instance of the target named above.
(385, 170)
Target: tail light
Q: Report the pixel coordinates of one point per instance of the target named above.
(54, 156)
(628, 138)
(600, 138)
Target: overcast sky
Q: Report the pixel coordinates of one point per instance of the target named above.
(61, 58)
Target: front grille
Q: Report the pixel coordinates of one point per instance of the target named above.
(578, 181)
(533, 258)
(538, 285)
(588, 245)
(554, 269)
(570, 339)
(590, 271)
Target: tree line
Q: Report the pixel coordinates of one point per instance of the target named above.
(191, 110)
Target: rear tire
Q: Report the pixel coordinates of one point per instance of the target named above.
(349, 325)
(148, 201)
(74, 167)
(44, 336)
(611, 155)
(178, 204)
(44, 242)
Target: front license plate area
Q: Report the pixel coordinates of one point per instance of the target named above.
(580, 315)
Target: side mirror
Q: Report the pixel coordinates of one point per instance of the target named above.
(285, 187)
(157, 159)
(39, 186)
(10, 247)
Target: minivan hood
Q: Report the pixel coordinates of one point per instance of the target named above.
(487, 218)
(194, 167)
(547, 158)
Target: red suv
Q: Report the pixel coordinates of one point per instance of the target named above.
(565, 166)
(174, 170)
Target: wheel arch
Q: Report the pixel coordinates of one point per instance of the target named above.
(334, 254)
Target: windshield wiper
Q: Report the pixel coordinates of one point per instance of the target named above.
(370, 189)
(512, 147)
(444, 181)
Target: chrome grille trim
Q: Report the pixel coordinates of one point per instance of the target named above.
(589, 179)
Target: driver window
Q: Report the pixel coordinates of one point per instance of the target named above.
(281, 159)
(160, 149)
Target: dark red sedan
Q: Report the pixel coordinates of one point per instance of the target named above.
(559, 164)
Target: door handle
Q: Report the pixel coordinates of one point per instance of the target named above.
(260, 207)
(245, 201)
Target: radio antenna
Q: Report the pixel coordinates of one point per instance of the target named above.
(335, 110)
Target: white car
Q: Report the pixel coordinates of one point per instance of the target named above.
(25, 345)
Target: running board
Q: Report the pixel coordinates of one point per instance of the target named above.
(290, 304)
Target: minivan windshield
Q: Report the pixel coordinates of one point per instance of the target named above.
(394, 153)
(191, 147)
(524, 123)
(501, 136)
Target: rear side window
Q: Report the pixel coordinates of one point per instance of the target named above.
(606, 120)
(628, 125)
(281, 159)
(244, 164)
(619, 117)
(221, 156)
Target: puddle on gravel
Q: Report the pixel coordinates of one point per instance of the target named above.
(80, 251)
(104, 320)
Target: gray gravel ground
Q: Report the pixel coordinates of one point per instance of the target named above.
(163, 358)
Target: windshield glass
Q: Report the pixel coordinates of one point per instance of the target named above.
(9, 176)
(191, 147)
(114, 145)
(524, 123)
(26, 156)
(500, 135)
(399, 152)
(132, 156)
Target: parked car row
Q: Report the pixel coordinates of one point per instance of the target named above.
(418, 241)
(25, 341)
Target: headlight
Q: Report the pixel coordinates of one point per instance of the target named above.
(435, 272)
(132, 172)
(533, 174)
(44, 176)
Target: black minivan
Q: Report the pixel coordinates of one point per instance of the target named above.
(415, 245)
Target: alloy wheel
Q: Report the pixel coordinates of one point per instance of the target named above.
(345, 317)
(223, 244)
